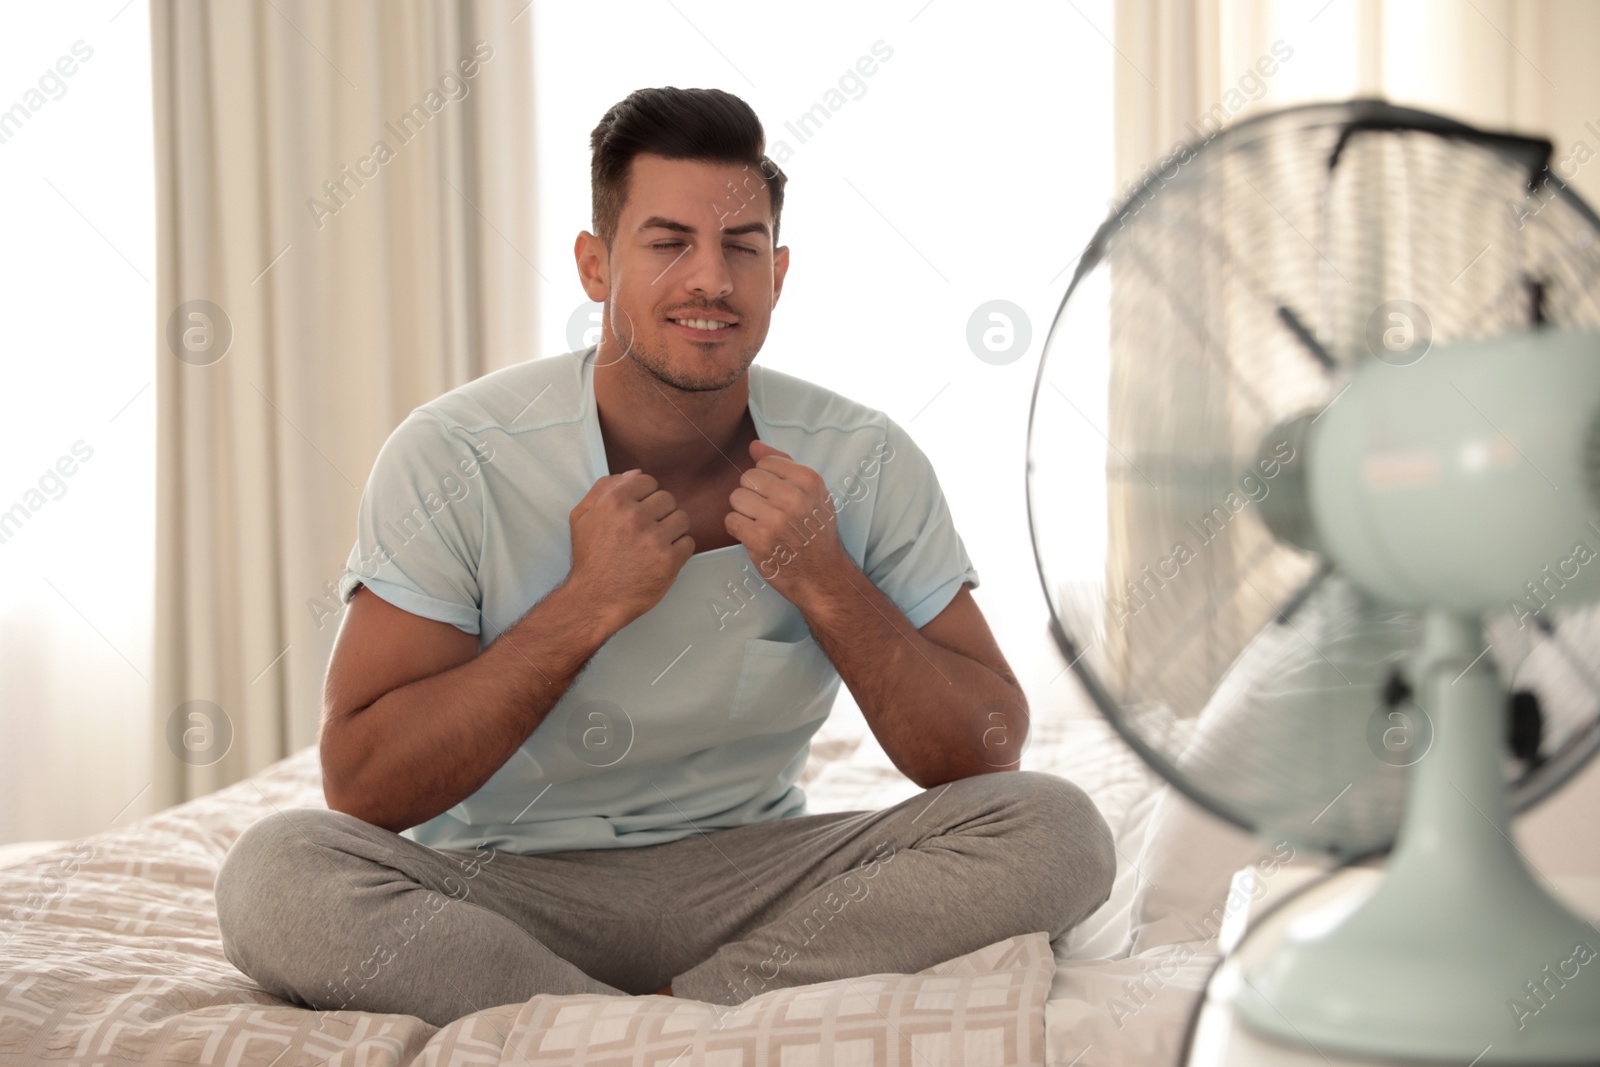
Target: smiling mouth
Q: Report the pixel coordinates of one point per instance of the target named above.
(706, 325)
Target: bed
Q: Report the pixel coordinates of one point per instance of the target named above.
(111, 953)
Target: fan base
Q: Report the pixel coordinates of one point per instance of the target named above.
(1459, 954)
(1482, 977)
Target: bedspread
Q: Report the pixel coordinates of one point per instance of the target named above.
(111, 955)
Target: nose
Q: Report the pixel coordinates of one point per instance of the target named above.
(706, 272)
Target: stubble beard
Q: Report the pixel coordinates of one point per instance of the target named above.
(657, 364)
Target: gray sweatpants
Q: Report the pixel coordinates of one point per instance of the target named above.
(331, 912)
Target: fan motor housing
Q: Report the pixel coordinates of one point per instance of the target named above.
(1462, 480)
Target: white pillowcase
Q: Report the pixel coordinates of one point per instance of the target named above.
(1107, 934)
(1186, 870)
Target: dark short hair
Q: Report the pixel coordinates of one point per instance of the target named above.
(707, 125)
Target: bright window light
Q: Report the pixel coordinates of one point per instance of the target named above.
(970, 166)
(77, 444)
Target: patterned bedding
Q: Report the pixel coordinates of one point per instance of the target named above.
(109, 954)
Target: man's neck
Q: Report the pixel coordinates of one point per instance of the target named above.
(678, 437)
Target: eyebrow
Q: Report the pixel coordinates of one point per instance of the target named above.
(658, 222)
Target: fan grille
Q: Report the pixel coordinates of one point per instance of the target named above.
(1219, 303)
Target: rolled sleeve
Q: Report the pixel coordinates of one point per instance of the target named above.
(914, 554)
(419, 530)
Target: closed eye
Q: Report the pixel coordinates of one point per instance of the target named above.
(673, 246)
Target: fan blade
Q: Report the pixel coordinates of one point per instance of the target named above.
(1303, 335)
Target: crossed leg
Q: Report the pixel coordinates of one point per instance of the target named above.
(328, 911)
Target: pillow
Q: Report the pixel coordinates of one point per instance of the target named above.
(1107, 933)
(986, 1007)
(1186, 871)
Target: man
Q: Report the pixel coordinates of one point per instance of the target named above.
(598, 605)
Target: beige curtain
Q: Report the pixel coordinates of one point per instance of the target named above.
(1523, 65)
(345, 230)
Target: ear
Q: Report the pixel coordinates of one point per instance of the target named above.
(594, 266)
(780, 268)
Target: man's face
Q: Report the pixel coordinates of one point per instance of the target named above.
(691, 279)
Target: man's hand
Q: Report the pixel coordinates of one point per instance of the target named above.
(941, 700)
(783, 514)
(629, 540)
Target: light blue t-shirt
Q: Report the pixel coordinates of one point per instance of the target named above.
(697, 715)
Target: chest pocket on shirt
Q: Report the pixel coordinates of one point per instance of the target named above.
(784, 683)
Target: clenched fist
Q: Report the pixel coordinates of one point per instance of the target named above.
(629, 540)
(784, 515)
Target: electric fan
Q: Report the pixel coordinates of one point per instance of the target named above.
(1314, 489)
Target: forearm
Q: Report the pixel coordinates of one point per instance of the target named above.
(939, 715)
(422, 748)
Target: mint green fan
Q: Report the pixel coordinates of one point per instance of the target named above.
(1314, 488)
